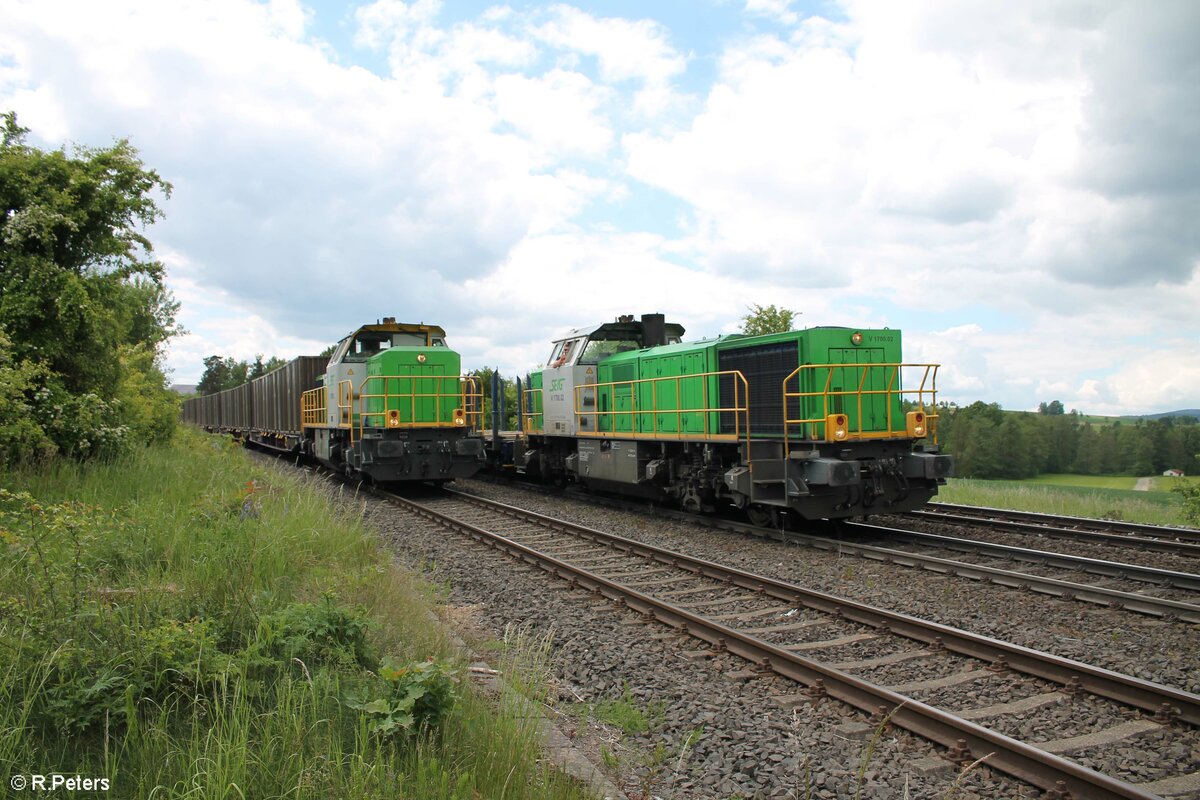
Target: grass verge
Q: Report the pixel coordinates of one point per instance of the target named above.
(1153, 507)
(187, 623)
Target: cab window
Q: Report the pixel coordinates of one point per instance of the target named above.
(364, 347)
(567, 353)
(403, 339)
(599, 349)
(340, 352)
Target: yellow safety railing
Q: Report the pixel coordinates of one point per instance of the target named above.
(528, 422)
(835, 424)
(464, 389)
(740, 409)
(312, 408)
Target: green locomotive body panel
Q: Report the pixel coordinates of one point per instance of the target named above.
(421, 384)
(860, 393)
(659, 391)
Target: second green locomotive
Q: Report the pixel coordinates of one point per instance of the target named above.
(819, 423)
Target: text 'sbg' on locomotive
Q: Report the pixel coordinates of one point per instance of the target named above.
(820, 423)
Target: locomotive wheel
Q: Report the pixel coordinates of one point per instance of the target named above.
(763, 516)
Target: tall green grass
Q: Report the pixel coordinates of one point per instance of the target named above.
(192, 624)
(1155, 507)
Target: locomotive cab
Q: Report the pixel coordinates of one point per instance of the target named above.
(574, 359)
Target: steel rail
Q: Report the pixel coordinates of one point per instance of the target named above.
(1065, 522)
(1097, 566)
(1137, 692)
(1189, 548)
(1066, 590)
(1014, 757)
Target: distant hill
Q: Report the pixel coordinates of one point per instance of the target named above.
(1187, 412)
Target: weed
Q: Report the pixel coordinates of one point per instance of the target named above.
(625, 714)
(316, 633)
(417, 697)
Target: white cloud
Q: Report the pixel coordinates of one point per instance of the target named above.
(384, 21)
(559, 111)
(627, 50)
(780, 10)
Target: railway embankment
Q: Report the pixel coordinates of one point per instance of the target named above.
(187, 621)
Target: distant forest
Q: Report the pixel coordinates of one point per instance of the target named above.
(988, 442)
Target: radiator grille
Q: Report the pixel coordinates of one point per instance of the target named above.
(765, 366)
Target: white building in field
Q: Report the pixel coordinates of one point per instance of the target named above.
(1173, 473)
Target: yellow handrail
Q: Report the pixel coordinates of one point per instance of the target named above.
(345, 404)
(528, 424)
(466, 389)
(817, 428)
(740, 409)
(312, 408)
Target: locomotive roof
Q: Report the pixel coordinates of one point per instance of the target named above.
(619, 330)
(399, 327)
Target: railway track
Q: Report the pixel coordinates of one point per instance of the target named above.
(1136, 579)
(798, 633)
(1153, 538)
(1127, 587)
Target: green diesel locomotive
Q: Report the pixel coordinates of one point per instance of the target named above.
(390, 405)
(819, 423)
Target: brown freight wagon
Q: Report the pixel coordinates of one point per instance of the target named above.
(237, 409)
(276, 401)
(203, 412)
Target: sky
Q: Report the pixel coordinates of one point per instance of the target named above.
(1015, 185)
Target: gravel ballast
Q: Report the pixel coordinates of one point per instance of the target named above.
(712, 735)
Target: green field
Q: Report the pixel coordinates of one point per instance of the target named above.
(1086, 481)
(1098, 496)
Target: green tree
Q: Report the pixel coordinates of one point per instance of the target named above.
(227, 373)
(509, 387)
(22, 439)
(216, 375)
(82, 302)
(767, 319)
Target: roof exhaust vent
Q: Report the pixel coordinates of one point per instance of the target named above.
(654, 330)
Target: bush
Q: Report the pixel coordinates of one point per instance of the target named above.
(316, 634)
(1191, 501)
(22, 439)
